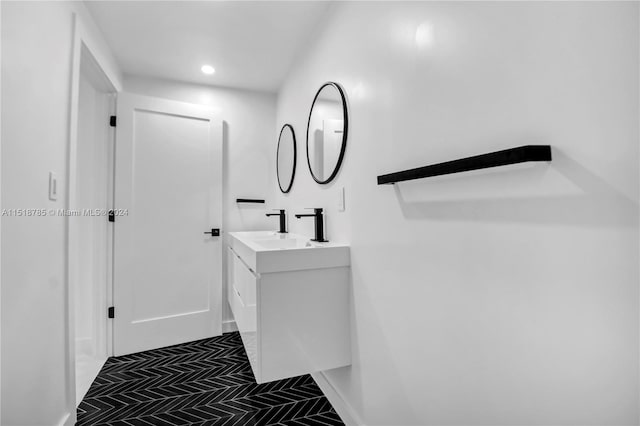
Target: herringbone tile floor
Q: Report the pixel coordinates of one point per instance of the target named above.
(207, 382)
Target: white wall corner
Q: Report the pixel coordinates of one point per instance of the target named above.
(229, 326)
(346, 412)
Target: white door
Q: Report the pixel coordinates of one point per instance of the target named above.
(168, 192)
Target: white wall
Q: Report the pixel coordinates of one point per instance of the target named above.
(37, 45)
(505, 296)
(249, 125)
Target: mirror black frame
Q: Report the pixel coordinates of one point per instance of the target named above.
(345, 115)
(295, 158)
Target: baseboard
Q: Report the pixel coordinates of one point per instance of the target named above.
(344, 410)
(66, 420)
(229, 326)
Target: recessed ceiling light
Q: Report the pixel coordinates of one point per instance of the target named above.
(208, 69)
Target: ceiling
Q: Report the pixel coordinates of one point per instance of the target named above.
(251, 44)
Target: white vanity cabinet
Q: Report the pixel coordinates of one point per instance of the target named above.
(292, 321)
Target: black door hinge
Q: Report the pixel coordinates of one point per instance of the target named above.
(112, 121)
(112, 216)
(111, 312)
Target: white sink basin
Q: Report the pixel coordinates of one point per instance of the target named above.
(269, 251)
(283, 244)
(260, 235)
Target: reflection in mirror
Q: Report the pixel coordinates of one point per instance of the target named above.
(286, 158)
(327, 132)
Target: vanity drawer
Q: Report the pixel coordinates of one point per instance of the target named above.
(245, 317)
(244, 282)
(241, 278)
(242, 300)
(230, 276)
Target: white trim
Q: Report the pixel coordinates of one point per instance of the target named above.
(81, 37)
(99, 50)
(64, 420)
(0, 219)
(111, 165)
(345, 411)
(229, 326)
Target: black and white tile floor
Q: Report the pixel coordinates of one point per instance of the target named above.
(208, 382)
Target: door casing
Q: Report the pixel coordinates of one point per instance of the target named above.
(85, 47)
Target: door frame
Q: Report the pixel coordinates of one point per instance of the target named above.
(85, 46)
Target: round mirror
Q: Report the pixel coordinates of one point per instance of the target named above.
(286, 158)
(327, 132)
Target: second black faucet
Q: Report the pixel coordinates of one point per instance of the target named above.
(319, 224)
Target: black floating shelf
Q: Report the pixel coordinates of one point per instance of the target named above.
(521, 154)
(249, 200)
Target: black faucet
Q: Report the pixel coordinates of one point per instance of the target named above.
(319, 224)
(283, 221)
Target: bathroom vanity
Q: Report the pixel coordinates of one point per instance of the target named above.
(290, 300)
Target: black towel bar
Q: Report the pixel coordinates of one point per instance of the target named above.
(248, 200)
(520, 154)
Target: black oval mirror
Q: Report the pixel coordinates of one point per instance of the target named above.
(327, 132)
(286, 158)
